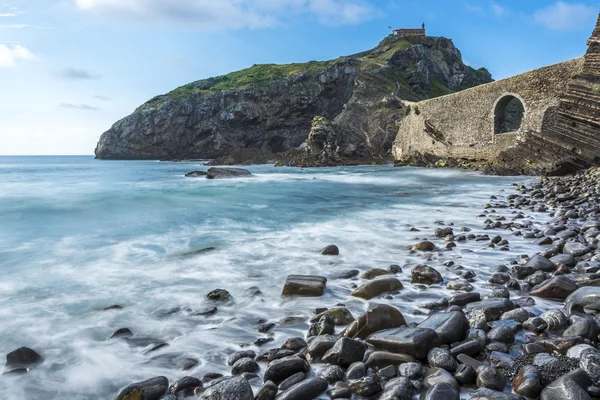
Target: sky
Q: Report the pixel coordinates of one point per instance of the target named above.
(69, 69)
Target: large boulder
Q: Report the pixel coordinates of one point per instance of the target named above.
(304, 285)
(584, 297)
(220, 173)
(406, 340)
(378, 318)
(376, 287)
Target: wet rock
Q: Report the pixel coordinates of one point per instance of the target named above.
(238, 355)
(450, 326)
(340, 316)
(331, 374)
(489, 394)
(376, 287)
(461, 299)
(345, 352)
(518, 314)
(356, 371)
(425, 275)
(555, 320)
(412, 341)
(411, 370)
(381, 359)
(122, 332)
(244, 365)
(294, 344)
(267, 391)
(441, 358)
(469, 347)
(437, 375)
(195, 174)
(221, 173)
(499, 278)
(589, 361)
(502, 334)
(378, 318)
(22, 357)
(374, 273)
(325, 326)
(575, 351)
(185, 386)
(460, 285)
(307, 389)
(465, 374)
(441, 391)
(304, 285)
(274, 354)
(587, 297)
(279, 370)
(564, 388)
(344, 274)
(292, 380)
(585, 327)
(219, 295)
(340, 393)
(366, 386)
(491, 309)
(558, 287)
(535, 324)
(424, 246)
(264, 328)
(320, 345)
(527, 382)
(151, 389)
(576, 249)
(229, 388)
(564, 259)
(490, 378)
(388, 372)
(331, 250)
(398, 389)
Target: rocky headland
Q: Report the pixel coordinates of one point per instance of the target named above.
(526, 329)
(343, 111)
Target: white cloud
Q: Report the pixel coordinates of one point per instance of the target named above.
(10, 55)
(232, 14)
(498, 10)
(566, 16)
(14, 26)
(473, 9)
(7, 15)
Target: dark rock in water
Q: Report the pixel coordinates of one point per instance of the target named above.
(331, 250)
(267, 391)
(540, 263)
(121, 333)
(374, 273)
(450, 326)
(376, 287)
(502, 334)
(264, 328)
(229, 388)
(435, 376)
(461, 299)
(340, 393)
(460, 285)
(356, 371)
(294, 344)
(555, 320)
(244, 365)
(185, 386)
(441, 358)
(518, 314)
(308, 389)
(219, 295)
(412, 341)
(425, 275)
(535, 324)
(344, 274)
(490, 378)
(22, 357)
(381, 359)
(325, 326)
(16, 371)
(220, 173)
(564, 388)
(262, 341)
(576, 249)
(465, 374)
(565, 259)
(320, 345)
(499, 278)
(441, 391)
(589, 361)
(585, 297)
(469, 347)
(151, 389)
(527, 382)
(278, 370)
(378, 318)
(238, 355)
(304, 285)
(331, 374)
(195, 174)
(345, 352)
(558, 287)
(398, 389)
(491, 309)
(113, 307)
(340, 316)
(489, 394)
(367, 386)
(206, 311)
(388, 372)
(424, 246)
(292, 380)
(584, 327)
(274, 354)
(411, 370)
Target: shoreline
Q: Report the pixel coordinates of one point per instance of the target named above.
(442, 356)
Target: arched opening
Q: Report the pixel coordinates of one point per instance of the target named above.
(508, 114)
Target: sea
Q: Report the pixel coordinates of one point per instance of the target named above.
(79, 235)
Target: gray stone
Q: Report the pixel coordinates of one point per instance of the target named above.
(527, 382)
(345, 352)
(465, 374)
(518, 314)
(576, 249)
(441, 391)
(330, 250)
(398, 389)
(535, 324)
(564, 388)
(331, 374)
(585, 327)
(491, 309)
(378, 318)
(441, 358)
(151, 389)
(585, 297)
(236, 388)
(412, 341)
(22, 357)
(279, 370)
(320, 345)
(490, 378)
(437, 375)
(185, 386)
(425, 275)
(558, 287)
(340, 316)
(380, 359)
(461, 299)
(238, 355)
(411, 370)
(450, 327)
(555, 320)
(589, 361)
(366, 386)
(304, 285)
(307, 389)
(502, 334)
(377, 287)
(267, 391)
(356, 371)
(244, 365)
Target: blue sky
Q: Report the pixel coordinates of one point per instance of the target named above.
(70, 68)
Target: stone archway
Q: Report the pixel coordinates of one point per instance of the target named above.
(509, 111)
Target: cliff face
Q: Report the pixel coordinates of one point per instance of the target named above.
(272, 107)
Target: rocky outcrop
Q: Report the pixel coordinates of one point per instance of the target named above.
(273, 107)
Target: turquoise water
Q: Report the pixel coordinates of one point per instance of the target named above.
(78, 235)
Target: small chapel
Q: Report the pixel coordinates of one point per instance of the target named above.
(411, 31)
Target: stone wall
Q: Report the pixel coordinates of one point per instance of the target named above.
(461, 125)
